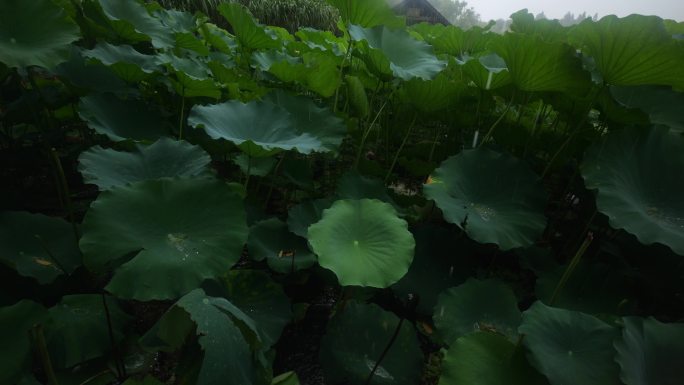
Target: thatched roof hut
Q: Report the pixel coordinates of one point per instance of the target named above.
(418, 11)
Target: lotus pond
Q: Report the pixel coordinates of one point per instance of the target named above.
(379, 204)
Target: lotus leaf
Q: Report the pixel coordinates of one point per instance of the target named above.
(78, 331)
(439, 263)
(570, 347)
(129, 64)
(38, 246)
(494, 197)
(638, 175)
(537, 65)
(367, 13)
(91, 76)
(283, 251)
(16, 322)
(476, 305)
(178, 232)
(166, 157)
(353, 185)
(259, 128)
(634, 50)
(288, 378)
(485, 358)
(121, 119)
(354, 341)
(662, 104)
(227, 357)
(35, 33)
(255, 293)
(254, 166)
(430, 96)
(132, 14)
(406, 57)
(363, 242)
(650, 352)
(310, 118)
(488, 72)
(248, 32)
(303, 215)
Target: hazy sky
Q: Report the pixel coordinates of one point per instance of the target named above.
(554, 9)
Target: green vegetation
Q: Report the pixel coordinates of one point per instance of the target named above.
(367, 204)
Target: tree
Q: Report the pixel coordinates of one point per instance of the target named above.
(458, 13)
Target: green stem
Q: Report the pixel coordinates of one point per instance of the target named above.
(40, 345)
(64, 188)
(182, 115)
(341, 73)
(385, 351)
(401, 147)
(274, 174)
(249, 171)
(571, 267)
(491, 129)
(366, 133)
(120, 367)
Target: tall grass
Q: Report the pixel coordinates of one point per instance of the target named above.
(289, 14)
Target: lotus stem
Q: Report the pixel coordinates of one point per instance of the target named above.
(401, 147)
(366, 133)
(64, 190)
(40, 345)
(275, 173)
(120, 367)
(491, 129)
(571, 267)
(182, 115)
(385, 351)
(341, 72)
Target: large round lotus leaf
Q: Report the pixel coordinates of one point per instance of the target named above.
(165, 235)
(16, 322)
(476, 305)
(283, 251)
(34, 33)
(77, 330)
(494, 197)
(487, 359)
(440, 262)
(303, 215)
(363, 242)
(539, 65)
(406, 57)
(570, 347)
(354, 341)
(259, 128)
(651, 352)
(121, 119)
(255, 293)
(638, 175)
(38, 246)
(634, 50)
(108, 168)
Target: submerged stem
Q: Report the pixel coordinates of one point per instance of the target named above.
(571, 267)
